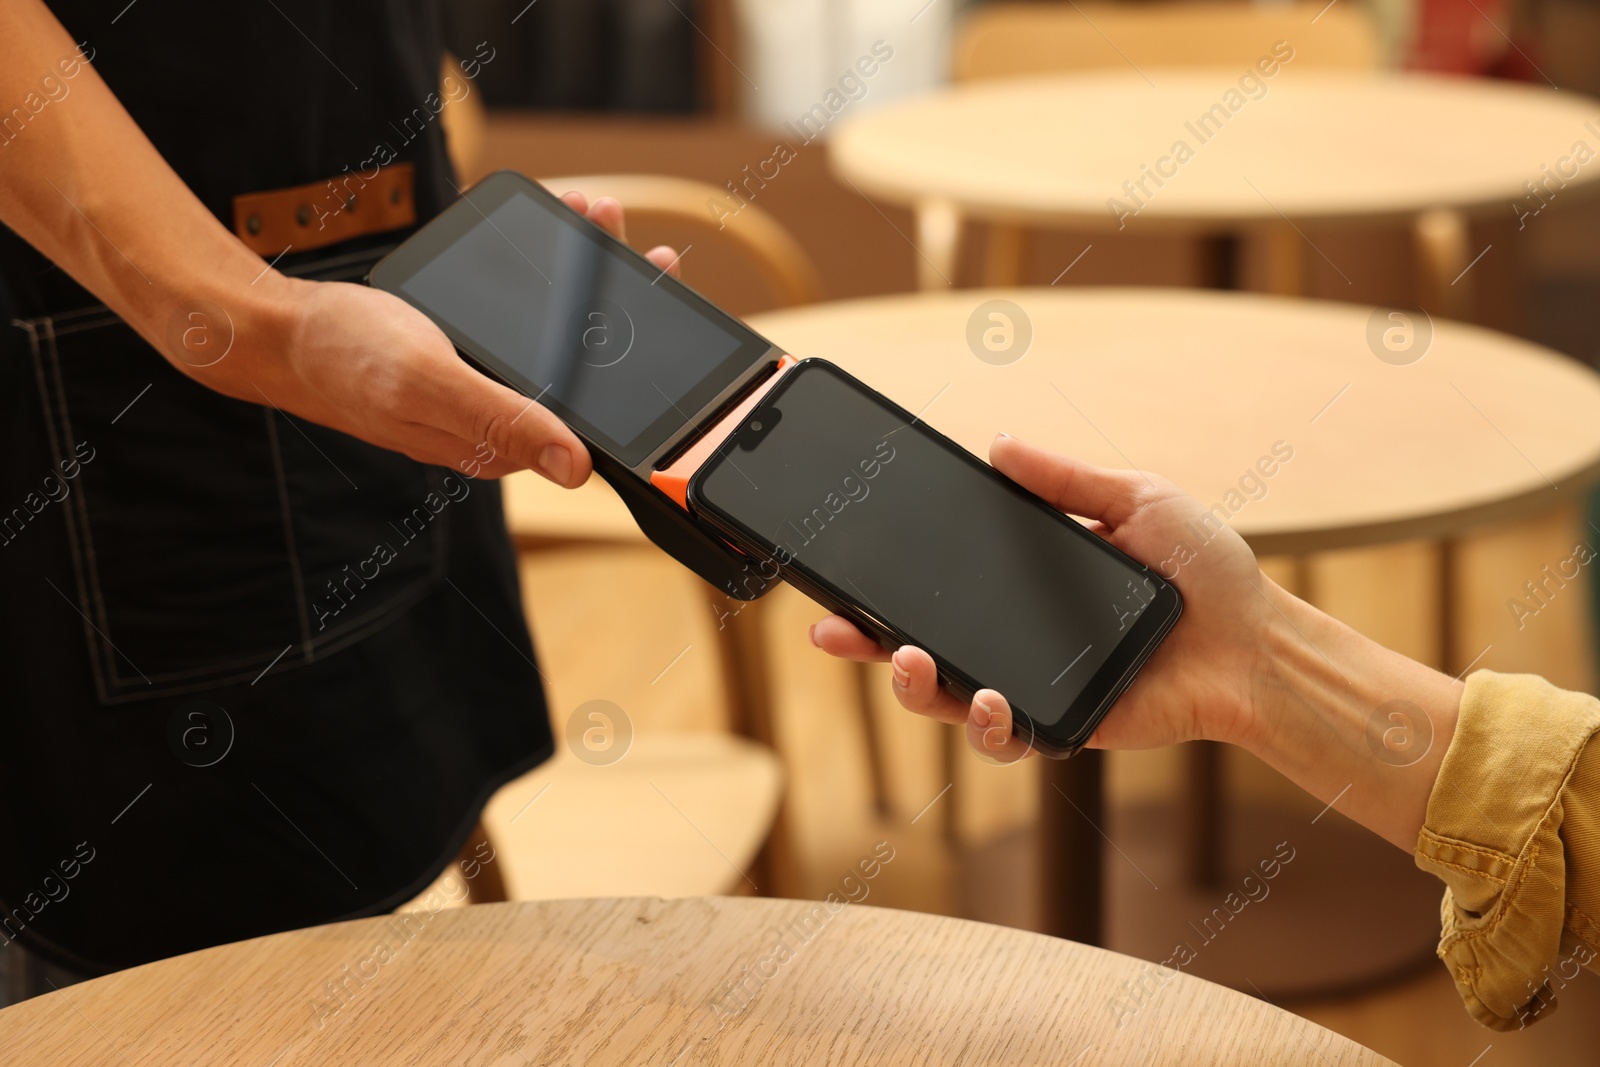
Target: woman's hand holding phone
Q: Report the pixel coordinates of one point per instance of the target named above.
(367, 363)
(1247, 663)
(1199, 683)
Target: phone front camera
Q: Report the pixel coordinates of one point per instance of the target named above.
(755, 427)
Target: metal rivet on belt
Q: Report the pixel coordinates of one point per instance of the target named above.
(302, 214)
(253, 223)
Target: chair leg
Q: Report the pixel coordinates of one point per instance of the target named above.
(485, 886)
(745, 674)
(1204, 816)
(877, 768)
(951, 738)
(747, 686)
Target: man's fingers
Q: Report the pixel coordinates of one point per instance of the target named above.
(607, 214)
(438, 395)
(838, 636)
(432, 446)
(916, 686)
(667, 258)
(1071, 485)
(505, 426)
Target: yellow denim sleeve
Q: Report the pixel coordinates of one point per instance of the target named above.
(1513, 829)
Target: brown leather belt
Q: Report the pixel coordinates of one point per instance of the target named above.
(326, 212)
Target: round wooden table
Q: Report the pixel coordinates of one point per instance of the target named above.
(1466, 427)
(1197, 385)
(1319, 144)
(702, 980)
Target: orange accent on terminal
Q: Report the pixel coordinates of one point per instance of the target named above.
(674, 480)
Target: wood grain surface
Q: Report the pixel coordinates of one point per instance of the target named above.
(646, 981)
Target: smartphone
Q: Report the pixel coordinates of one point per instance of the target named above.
(634, 361)
(891, 524)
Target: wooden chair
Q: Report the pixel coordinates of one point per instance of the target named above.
(612, 830)
(772, 251)
(657, 822)
(464, 118)
(679, 815)
(777, 258)
(544, 518)
(1017, 39)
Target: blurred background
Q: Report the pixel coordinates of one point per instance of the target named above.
(623, 97)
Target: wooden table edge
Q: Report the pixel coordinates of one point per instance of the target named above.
(38, 1008)
(1155, 218)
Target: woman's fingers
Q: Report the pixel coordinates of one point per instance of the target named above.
(916, 679)
(1071, 485)
(989, 729)
(837, 636)
(916, 686)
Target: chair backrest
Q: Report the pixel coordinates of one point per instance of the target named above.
(780, 261)
(1001, 40)
(464, 119)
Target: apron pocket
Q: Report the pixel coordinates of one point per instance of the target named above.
(213, 539)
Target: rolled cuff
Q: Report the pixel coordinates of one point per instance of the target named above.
(1494, 833)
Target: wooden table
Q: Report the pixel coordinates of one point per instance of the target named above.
(1319, 145)
(647, 981)
(1197, 386)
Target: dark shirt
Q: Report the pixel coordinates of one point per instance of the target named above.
(257, 674)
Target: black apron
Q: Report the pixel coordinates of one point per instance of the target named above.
(258, 675)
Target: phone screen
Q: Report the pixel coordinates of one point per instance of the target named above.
(620, 350)
(873, 506)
